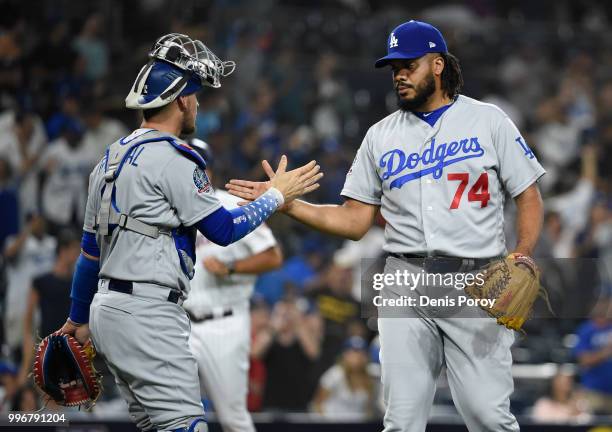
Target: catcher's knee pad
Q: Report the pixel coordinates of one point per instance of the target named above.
(196, 425)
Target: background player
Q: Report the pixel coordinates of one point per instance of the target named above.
(218, 308)
(146, 198)
(415, 165)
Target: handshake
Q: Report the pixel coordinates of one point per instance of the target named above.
(291, 184)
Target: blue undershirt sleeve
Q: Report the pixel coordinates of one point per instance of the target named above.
(224, 227)
(85, 280)
(89, 245)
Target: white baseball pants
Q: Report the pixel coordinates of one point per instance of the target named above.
(221, 347)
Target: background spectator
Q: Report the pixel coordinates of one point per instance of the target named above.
(561, 404)
(99, 129)
(332, 295)
(594, 354)
(260, 322)
(347, 390)
(9, 202)
(26, 400)
(29, 255)
(22, 144)
(50, 295)
(289, 348)
(66, 167)
(92, 47)
(8, 386)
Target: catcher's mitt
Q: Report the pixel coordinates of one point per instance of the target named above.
(514, 284)
(64, 370)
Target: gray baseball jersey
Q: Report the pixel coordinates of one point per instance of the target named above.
(158, 186)
(441, 189)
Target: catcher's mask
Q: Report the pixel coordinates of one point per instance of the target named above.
(178, 66)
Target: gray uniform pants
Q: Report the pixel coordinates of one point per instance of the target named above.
(475, 351)
(144, 340)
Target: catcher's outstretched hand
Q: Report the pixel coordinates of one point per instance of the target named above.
(250, 190)
(292, 184)
(246, 189)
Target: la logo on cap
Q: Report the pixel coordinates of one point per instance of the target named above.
(392, 41)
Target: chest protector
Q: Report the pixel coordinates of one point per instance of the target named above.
(110, 218)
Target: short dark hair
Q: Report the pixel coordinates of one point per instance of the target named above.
(148, 114)
(452, 79)
(66, 238)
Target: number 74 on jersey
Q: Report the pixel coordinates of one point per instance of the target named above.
(478, 192)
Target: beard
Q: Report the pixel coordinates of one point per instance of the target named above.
(423, 91)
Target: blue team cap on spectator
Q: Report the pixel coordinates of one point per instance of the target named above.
(72, 125)
(413, 39)
(7, 368)
(355, 343)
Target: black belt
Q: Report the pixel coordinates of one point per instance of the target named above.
(209, 316)
(444, 264)
(127, 287)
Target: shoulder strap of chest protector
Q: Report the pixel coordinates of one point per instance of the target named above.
(116, 156)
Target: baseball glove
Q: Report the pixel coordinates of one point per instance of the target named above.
(64, 370)
(514, 284)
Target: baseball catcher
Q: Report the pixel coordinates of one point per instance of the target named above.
(148, 197)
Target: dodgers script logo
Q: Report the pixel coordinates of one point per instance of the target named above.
(433, 160)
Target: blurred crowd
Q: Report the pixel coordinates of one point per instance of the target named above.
(305, 86)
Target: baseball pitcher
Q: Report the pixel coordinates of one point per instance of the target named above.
(438, 168)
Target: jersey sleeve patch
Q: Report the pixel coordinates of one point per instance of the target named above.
(200, 179)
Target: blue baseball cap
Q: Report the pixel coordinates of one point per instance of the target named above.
(413, 39)
(7, 368)
(355, 343)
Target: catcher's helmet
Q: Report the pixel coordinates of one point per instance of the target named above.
(178, 66)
